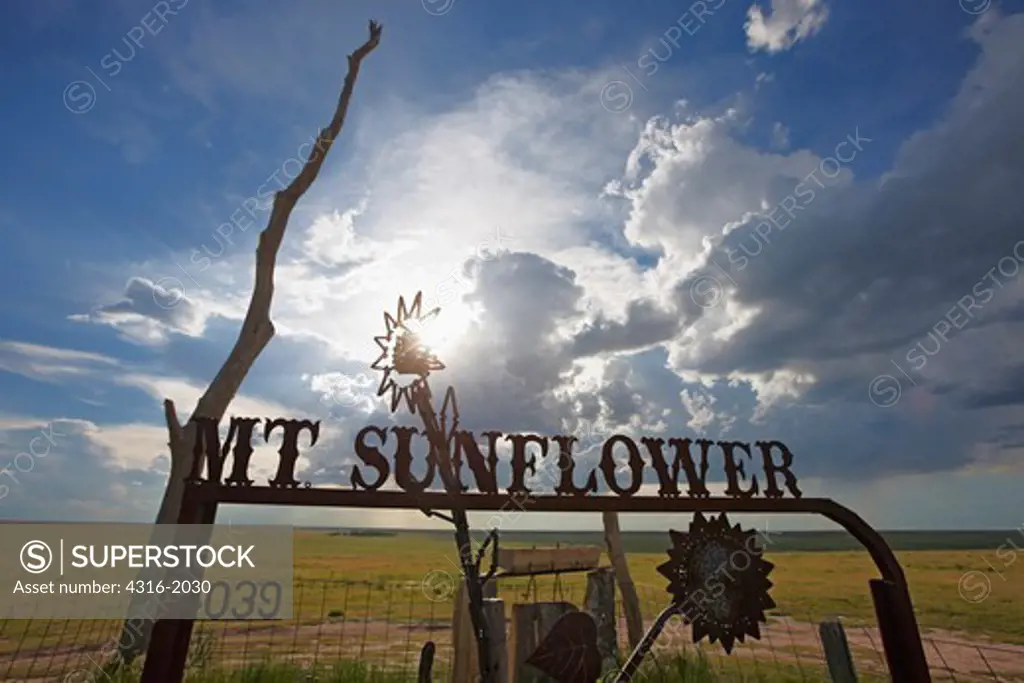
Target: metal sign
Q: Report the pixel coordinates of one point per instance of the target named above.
(386, 453)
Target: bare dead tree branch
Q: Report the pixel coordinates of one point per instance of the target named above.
(492, 537)
(494, 560)
(439, 515)
(257, 329)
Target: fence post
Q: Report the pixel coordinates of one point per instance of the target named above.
(522, 642)
(426, 662)
(530, 626)
(630, 600)
(600, 604)
(837, 652)
(548, 614)
(464, 658)
(494, 617)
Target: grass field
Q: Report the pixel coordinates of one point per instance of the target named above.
(984, 542)
(808, 585)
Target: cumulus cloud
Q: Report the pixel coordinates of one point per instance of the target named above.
(861, 275)
(150, 311)
(332, 241)
(339, 389)
(787, 23)
(837, 281)
(515, 167)
(645, 324)
(685, 180)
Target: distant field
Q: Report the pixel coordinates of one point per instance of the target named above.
(809, 586)
(655, 541)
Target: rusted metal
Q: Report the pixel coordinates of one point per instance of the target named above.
(722, 598)
(689, 458)
(901, 638)
(405, 363)
(569, 652)
(629, 669)
(719, 580)
(543, 572)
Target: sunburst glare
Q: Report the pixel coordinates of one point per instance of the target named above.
(443, 332)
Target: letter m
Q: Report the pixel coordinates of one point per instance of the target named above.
(207, 448)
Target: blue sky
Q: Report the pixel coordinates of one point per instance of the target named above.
(626, 171)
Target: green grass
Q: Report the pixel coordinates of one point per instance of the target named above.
(698, 668)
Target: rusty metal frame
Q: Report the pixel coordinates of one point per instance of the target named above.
(904, 652)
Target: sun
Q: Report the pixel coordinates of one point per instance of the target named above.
(442, 333)
(405, 359)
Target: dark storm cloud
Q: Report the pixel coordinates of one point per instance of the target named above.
(646, 324)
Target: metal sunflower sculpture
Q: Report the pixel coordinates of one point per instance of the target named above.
(719, 580)
(405, 361)
(719, 583)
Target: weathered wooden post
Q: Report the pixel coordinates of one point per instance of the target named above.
(494, 618)
(837, 652)
(630, 600)
(465, 662)
(600, 604)
(530, 625)
(426, 662)
(522, 643)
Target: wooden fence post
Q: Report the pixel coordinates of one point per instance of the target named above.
(630, 600)
(465, 664)
(494, 617)
(522, 643)
(837, 652)
(600, 604)
(530, 625)
(426, 663)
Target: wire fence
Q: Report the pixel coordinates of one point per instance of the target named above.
(373, 631)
